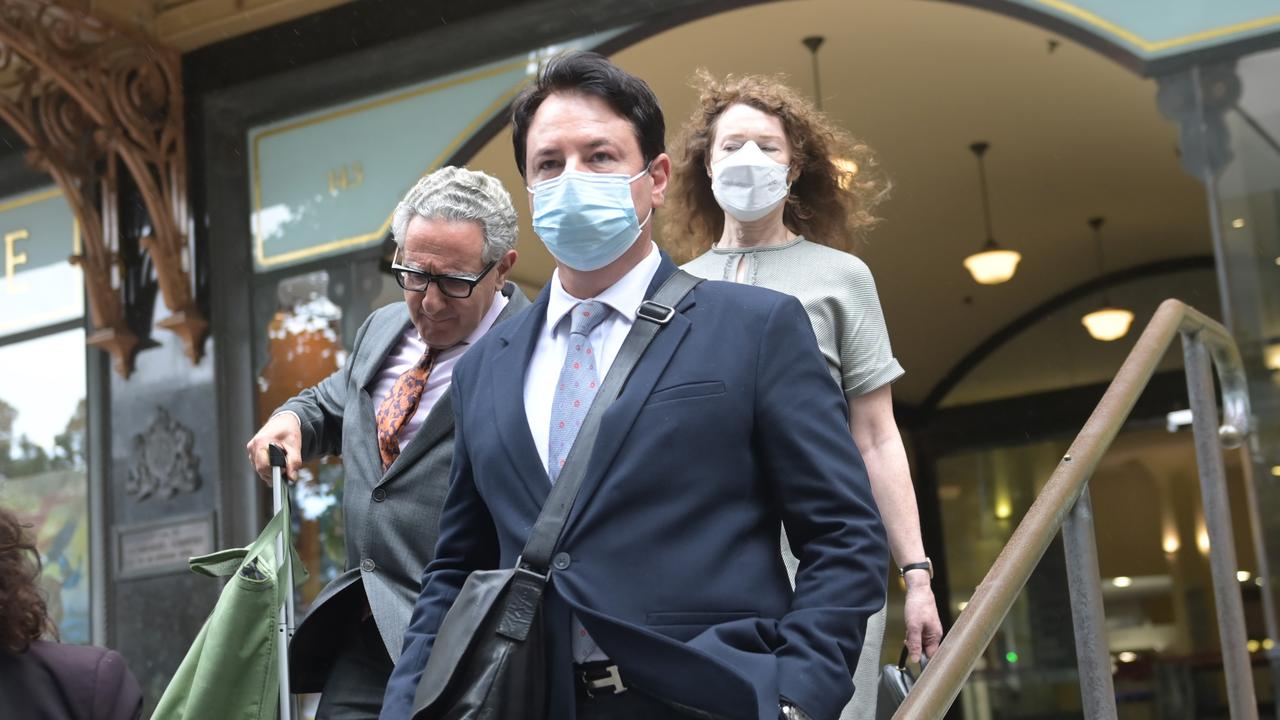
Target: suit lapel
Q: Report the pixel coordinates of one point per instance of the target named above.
(511, 359)
(379, 340)
(618, 419)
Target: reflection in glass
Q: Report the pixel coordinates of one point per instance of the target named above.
(43, 466)
(304, 347)
(1156, 584)
(38, 284)
(1247, 193)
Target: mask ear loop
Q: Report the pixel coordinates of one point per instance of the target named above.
(637, 176)
(648, 167)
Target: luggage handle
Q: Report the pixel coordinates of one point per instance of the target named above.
(284, 578)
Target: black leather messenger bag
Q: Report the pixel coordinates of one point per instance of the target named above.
(489, 661)
(896, 682)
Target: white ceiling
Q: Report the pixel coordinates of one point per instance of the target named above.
(1072, 135)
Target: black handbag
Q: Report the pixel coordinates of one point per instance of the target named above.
(489, 661)
(895, 682)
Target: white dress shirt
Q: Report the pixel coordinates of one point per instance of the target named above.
(624, 298)
(408, 351)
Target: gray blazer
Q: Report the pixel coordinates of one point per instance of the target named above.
(391, 520)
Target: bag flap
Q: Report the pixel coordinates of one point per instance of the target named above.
(458, 631)
(218, 564)
(226, 562)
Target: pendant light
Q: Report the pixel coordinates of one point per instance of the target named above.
(1271, 355)
(1108, 322)
(844, 166)
(992, 264)
(813, 42)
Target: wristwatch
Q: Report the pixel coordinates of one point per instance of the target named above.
(787, 711)
(926, 565)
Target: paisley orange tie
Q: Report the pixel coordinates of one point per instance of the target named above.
(400, 405)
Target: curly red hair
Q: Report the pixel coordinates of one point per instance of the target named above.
(826, 204)
(24, 617)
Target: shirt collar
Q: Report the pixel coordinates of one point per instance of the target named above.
(624, 296)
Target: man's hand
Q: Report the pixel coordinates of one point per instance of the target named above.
(924, 629)
(283, 430)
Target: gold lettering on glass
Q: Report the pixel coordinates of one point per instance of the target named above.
(13, 258)
(345, 178)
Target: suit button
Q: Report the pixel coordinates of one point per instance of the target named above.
(379, 494)
(561, 561)
(368, 565)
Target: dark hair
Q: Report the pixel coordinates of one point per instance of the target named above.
(23, 615)
(591, 74)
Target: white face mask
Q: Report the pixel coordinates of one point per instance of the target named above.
(749, 184)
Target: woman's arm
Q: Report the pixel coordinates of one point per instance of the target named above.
(875, 432)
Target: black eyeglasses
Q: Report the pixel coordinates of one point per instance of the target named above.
(454, 286)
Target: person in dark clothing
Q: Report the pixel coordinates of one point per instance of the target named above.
(41, 680)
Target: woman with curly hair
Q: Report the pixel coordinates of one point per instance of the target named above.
(768, 191)
(42, 680)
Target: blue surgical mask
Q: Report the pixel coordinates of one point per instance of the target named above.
(587, 220)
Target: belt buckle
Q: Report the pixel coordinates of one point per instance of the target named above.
(613, 680)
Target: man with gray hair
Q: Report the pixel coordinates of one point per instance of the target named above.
(389, 414)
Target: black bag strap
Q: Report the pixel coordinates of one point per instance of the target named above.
(651, 316)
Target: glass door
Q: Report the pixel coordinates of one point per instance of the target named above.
(1153, 557)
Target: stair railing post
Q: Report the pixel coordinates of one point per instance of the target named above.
(1217, 516)
(1093, 655)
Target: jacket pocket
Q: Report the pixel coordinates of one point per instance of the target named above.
(687, 391)
(696, 619)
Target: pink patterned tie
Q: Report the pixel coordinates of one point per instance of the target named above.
(576, 387)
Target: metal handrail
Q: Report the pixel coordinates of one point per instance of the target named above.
(1064, 504)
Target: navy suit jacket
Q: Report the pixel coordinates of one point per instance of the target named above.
(729, 427)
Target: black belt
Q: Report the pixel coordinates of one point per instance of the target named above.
(598, 677)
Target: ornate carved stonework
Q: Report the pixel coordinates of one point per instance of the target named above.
(88, 97)
(164, 460)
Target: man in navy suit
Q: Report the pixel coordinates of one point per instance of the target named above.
(668, 596)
